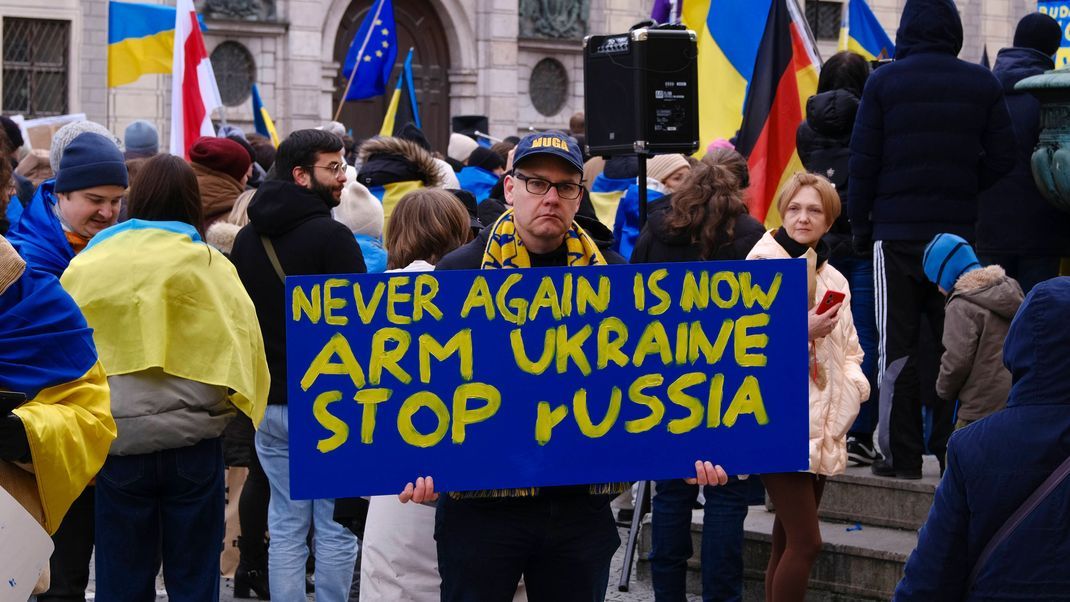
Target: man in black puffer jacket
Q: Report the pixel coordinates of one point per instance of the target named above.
(290, 225)
(931, 132)
(1016, 227)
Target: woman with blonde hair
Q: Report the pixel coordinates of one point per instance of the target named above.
(400, 560)
(808, 206)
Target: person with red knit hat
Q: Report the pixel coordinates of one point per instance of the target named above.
(223, 167)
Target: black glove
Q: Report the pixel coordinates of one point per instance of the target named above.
(14, 447)
(863, 246)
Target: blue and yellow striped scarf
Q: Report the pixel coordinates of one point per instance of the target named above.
(505, 249)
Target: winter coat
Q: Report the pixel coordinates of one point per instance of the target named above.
(1013, 217)
(931, 132)
(221, 235)
(994, 464)
(373, 252)
(388, 160)
(824, 141)
(155, 411)
(307, 240)
(657, 244)
(841, 386)
(218, 193)
(976, 319)
(470, 255)
(478, 181)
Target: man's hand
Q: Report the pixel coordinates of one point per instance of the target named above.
(822, 324)
(422, 492)
(708, 474)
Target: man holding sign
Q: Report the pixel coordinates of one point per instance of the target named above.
(535, 395)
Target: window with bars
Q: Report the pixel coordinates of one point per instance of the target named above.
(824, 18)
(36, 66)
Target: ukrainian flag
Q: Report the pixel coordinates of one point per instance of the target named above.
(141, 40)
(606, 194)
(861, 33)
(264, 125)
(729, 33)
(390, 194)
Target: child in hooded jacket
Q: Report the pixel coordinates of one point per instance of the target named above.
(981, 302)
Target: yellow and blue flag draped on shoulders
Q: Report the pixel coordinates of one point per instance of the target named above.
(262, 120)
(141, 40)
(729, 34)
(390, 194)
(158, 297)
(47, 353)
(861, 33)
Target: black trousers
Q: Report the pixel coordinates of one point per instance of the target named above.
(561, 545)
(69, 564)
(252, 516)
(905, 301)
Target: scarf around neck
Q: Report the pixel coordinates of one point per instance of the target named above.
(797, 249)
(506, 250)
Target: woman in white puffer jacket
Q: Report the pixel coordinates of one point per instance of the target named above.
(808, 206)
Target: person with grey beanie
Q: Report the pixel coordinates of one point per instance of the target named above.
(141, 139)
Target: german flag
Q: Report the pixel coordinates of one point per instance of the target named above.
(785, 76)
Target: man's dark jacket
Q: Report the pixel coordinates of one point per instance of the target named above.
(658, 244)
(994, 464)
(307, 240)
(1013, 217)
(932, 131)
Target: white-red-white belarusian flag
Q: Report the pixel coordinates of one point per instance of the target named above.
(194, 93)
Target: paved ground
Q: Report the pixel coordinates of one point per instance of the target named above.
(637, 591)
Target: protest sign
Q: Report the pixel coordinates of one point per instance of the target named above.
(502, 379)
(1060, 11)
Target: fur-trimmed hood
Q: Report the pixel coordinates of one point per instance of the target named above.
(221, 235)
(385, 160)
(991, 289)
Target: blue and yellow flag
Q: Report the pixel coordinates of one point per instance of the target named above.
(141, 40)
(261, 119)
(403, 108)
(47, 353)
(390, 194)
(372, 52)
(861, 33)
(606, 193)
(729, 33)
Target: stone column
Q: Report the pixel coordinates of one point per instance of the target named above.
(496, 85)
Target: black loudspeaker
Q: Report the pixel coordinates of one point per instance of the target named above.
(641, 92)
(469, 124)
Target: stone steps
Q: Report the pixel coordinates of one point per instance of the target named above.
(868, 527)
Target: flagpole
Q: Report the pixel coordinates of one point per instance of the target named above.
(356, 63)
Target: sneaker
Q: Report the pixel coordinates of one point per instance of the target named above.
(882, 468)
(861, 454)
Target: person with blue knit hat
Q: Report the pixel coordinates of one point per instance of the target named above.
(68, 211)
(981, 303)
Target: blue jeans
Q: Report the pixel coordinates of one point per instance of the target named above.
(859, 275)
(722, 539)
(165, 505)
(289, 522)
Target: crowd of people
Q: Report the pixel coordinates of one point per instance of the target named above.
(143, 347)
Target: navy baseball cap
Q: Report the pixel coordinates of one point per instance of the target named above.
(557, 144)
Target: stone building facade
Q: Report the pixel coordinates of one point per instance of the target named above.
(518, 62)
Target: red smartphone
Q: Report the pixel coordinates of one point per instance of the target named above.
(830, 300)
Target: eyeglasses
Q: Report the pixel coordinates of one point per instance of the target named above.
(335, 168)
(568, 191)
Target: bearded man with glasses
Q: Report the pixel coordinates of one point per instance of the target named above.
(291, 232)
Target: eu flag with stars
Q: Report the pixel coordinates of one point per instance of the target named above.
(375, 48)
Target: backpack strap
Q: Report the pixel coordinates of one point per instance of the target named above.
(1046, 488)
(273, 257)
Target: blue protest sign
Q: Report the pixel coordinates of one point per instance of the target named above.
(1060, 11)
(503, 379)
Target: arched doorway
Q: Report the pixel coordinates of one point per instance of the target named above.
(419, 27)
